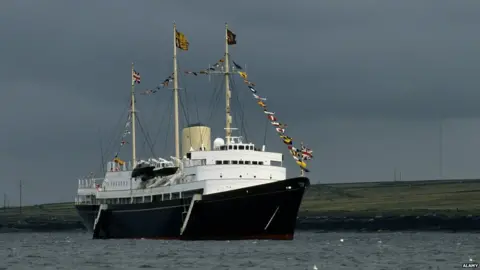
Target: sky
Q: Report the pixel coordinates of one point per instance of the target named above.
(373, 87)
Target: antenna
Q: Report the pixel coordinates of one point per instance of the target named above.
(101, 153)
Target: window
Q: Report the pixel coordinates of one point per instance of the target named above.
(230, 147)
(240, 147)
(247, 162)
(275, 163)
(226, 162)
(260, 163)
(240, 162)
(254, 162)
(218, 162)
(234, 162)
(235, 147)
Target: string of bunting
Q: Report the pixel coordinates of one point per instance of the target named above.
(302, 154)
(208, 70)
(182, 43)
(123, 141)
(164, 84)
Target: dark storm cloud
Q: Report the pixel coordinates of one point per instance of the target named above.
(324, 65)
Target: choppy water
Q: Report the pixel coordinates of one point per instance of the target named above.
(324, 250)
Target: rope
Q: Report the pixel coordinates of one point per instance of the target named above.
(164, 116)
(113, 142)
(147, 137)
(265, 134)
(243, 126)
(185, 113)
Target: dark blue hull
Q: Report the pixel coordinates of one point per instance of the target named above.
(266, 211)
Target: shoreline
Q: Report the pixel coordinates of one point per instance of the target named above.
(357, 223)
(443, 205)
(317, 223)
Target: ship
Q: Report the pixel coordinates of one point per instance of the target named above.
(228, 189)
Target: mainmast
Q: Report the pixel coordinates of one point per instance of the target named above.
(175, 95)
(132, 115)
(228, 130)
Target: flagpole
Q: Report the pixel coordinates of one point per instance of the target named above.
(175, 95)
(227, 90)
(132, 111)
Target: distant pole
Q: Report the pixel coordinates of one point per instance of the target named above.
(102, 157)
(440, 150)
(394, 174)
(4, 202)
(20, 196)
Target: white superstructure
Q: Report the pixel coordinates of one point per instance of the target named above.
(226, 167)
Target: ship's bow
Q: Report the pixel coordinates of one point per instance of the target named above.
(266, 211)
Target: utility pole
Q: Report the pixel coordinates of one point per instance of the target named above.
(440, 149)
(20, 196)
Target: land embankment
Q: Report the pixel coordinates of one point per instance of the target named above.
(452, 205)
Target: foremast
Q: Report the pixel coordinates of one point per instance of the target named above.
(133, 116)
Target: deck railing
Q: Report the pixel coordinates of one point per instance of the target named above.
(86, 183)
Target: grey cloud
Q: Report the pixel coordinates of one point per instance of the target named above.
(355, 80)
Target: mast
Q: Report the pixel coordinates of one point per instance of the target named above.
(175, 95)
(227, 91)
(132, 113)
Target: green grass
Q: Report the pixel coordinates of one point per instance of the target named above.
(40, 213)
(401, 198)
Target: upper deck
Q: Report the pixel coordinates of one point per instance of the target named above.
(235, 153)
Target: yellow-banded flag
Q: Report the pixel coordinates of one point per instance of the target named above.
(119, 161)
(243, 74)
(181, 41)
(231, 38)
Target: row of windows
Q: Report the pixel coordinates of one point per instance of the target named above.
(152, 198)
(237, 147)
(246, 162)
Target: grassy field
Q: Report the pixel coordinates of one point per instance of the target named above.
(392, 198)
(397, 198)
(57, 212)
